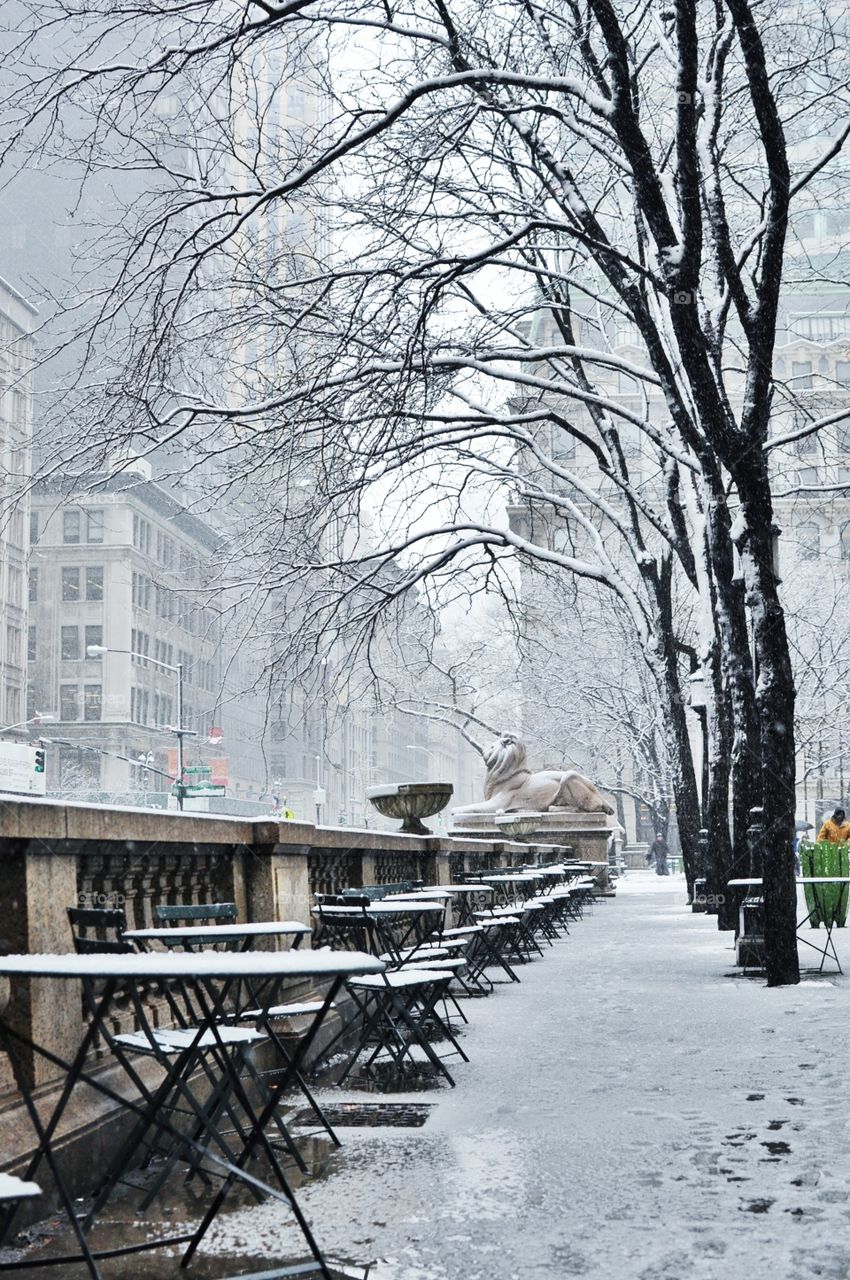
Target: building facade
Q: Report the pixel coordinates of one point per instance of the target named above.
(118, 564)
(16, 365)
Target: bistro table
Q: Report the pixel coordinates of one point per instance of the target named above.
(394, 926)
(828, 951)
(240, 937)
(206, 978)
(250, 1006)
(463, 898)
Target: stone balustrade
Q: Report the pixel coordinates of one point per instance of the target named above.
(53, 856)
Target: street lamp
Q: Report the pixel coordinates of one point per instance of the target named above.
(38, 718)
(146, 761)
(698, 704)
(98, 651)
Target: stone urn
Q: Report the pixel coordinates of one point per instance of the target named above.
(517, 825)
(410, 802)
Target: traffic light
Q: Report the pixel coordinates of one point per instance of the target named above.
(39, 760)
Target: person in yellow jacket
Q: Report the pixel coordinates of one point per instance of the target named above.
(835, 829)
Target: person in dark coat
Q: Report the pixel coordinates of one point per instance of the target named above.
(659, 853)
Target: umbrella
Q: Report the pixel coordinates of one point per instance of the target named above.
(802, 825)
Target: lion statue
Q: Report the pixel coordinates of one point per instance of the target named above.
(510, 785)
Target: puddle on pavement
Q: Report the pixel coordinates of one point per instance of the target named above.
(385, 1078)
(173, 1212)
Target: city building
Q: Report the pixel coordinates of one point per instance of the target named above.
(16, 364)
(120, 596)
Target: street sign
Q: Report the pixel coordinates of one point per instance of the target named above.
(198, 770)
(22, 769)
(204, 789)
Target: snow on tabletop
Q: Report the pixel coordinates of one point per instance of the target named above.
(401, 978)
(221, 931)
(203, 964)
(382, 907)
(12, 1188)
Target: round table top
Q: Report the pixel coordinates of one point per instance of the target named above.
(220, 932)
(418, 895)
(379, 907)
(477, 887)
(193, 964)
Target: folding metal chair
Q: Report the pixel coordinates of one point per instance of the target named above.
(399, 1011)
(192, 913)
(97, 930)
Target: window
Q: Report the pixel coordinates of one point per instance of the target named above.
(845, 542)
(32, 644)
(93, 701)
(94, 526)
(13, 704)
(70, 585)
(94, 582)
(31, 707)
(842, 435)
(79, 769)
(842, 372)
(139, 705)
(94, 635)
(33, 528)
(13, 645)
(629, 439)
(141, 534)
(808, 541)
(16, 586)
(820, 328)
(806, 445)
(33, 586)
(801, 375)
(68, 708)
(70, 643)
(563, 444)
(71, 521)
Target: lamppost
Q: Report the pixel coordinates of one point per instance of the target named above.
(38, 718)
(146, 761)
(98, 651)
(699, 706)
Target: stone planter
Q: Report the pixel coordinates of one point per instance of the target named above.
(410, 802)
(516, 825)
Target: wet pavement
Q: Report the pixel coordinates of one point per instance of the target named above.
(633, 1109)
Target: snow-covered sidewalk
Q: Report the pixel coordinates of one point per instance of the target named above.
(629, 1111)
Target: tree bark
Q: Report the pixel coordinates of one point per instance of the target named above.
(775, 703)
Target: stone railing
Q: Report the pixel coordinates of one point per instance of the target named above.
(53, 856)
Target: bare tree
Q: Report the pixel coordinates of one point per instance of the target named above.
(473, 168)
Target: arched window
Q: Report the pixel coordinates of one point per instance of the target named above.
(808, 541)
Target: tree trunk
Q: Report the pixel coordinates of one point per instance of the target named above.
(743, 750)
(775, 704)
(716, 815)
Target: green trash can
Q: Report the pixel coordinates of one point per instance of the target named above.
(826, 902)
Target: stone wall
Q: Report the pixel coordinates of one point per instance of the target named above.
(53, 856)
